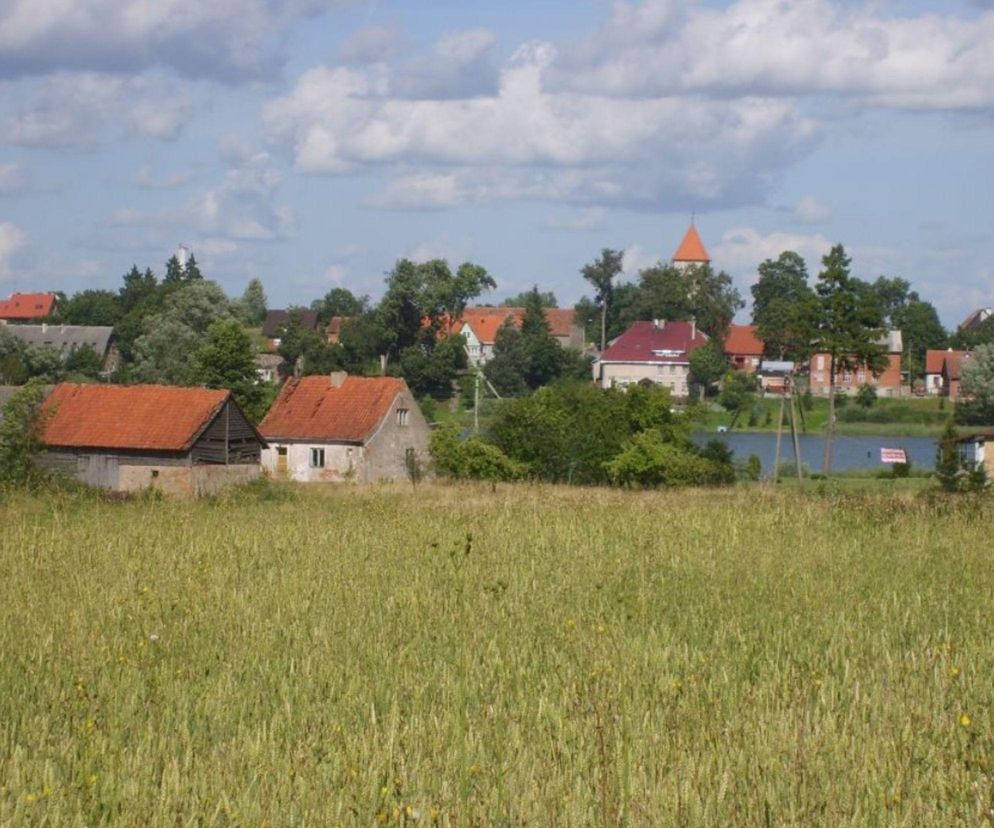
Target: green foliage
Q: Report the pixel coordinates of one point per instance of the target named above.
(91, 307)
(84, 362)
(784, 307)
(547, 298)
(162, 354)
(471, 459)
(753, 467)
(342, 302)
(431, 366)
(20, 436)
(530, 358)
(866, 396)
(707, 365)
(738, 394)
(977, 384)
(649, 461)
(602, 274)
(252, 305)
(569, 431)
(947, 460)
(226, 359)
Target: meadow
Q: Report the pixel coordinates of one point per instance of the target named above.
(533, 655)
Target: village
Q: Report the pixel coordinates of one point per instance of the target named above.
(337, 426)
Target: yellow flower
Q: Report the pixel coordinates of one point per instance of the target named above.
(954, 672)
(30, 798)
(91, 779)
(965, 720)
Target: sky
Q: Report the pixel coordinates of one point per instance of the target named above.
(312, 143)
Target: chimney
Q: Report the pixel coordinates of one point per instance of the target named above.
(659, 323)
(338, 378)
(693, 329)
(44, 327)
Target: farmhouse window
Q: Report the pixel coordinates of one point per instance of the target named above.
(402, 416)
(317, 458)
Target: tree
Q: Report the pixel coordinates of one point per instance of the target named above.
(253, 303)
(602, 274)
(431, 366)
(506, 368)
(91, 307)
(947, 462)
(339, 301)
(174, 271)
(977, 383)
(921, 330)
(707, 365)
(169, 338)
(138, 288)
(226, 359)
(738, 394)
(784, 308)
(713, 299)
(547, 297)
(20, 435)
(662, 293)
(849, 325)
(191, 272)
(866, 397)
(84, 362)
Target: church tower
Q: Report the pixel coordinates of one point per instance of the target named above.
(691, 251)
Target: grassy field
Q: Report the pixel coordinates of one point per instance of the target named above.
(530, 656)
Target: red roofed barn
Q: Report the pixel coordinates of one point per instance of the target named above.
(657, 352)
(183, 441)
(343, 428)
(27, 307)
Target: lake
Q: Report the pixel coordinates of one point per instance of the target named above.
(848, 452)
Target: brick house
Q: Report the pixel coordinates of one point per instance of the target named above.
(935, 361)
(952, 367)
(181, 441)
(743, 349)
(656, 352)
(888, 383)
(329, 429)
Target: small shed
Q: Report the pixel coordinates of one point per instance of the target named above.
(974, 450)
(339, 427)
(182, 441)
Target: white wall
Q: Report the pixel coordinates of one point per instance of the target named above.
(341, 462)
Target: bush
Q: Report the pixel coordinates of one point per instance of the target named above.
(471, 459)
(648, 461)
(866, 396)
(20, 437)
(753, 467)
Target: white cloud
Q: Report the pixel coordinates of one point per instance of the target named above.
(742, 249)
(79, 110)
(525, 142)
(13, 179)
(636, 258)
(810, 210)
(12, 241)
(228, 39)
(460, 65)
(789, 48)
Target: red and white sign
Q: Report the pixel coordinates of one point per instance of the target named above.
(893, 455)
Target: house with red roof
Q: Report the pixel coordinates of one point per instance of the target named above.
(889, 382)
(27, 307)
(182, 441)
(479, 325)
(657, 352)
(952, 370)
(691, 252)
(935, 362)
(339, 427)
(743, 348)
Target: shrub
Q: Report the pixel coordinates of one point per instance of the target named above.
(471, 459)
(648, 461)
(753, 467)
(20, 436)
(866, 396)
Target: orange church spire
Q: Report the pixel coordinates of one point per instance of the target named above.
(691, 249)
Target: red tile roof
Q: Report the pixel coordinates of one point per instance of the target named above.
(669, 342)
(954, 363)
(27, 306)
(486, 321)
(139, 417)
(691, 249)
(934, 359)
(312, 408)
(742, 340)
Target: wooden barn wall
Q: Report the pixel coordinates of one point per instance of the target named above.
(228, 439)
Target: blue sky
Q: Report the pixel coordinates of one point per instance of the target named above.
(312, 143)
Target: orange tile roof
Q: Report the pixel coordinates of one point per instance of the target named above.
(136, 417)
(312, 408)
(691, 249)
(742, 339)
(27, 306)
(954, 363)
(486, 321)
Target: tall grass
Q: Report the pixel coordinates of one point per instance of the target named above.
(538, 656)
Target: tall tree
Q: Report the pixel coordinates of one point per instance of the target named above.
(602, 275)
(91, 307)
(226, 359)
(713, 298)
(339, 301)
(707, 365)
(518, 301)
(848, 327)
(253, 303)
(174, 271)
